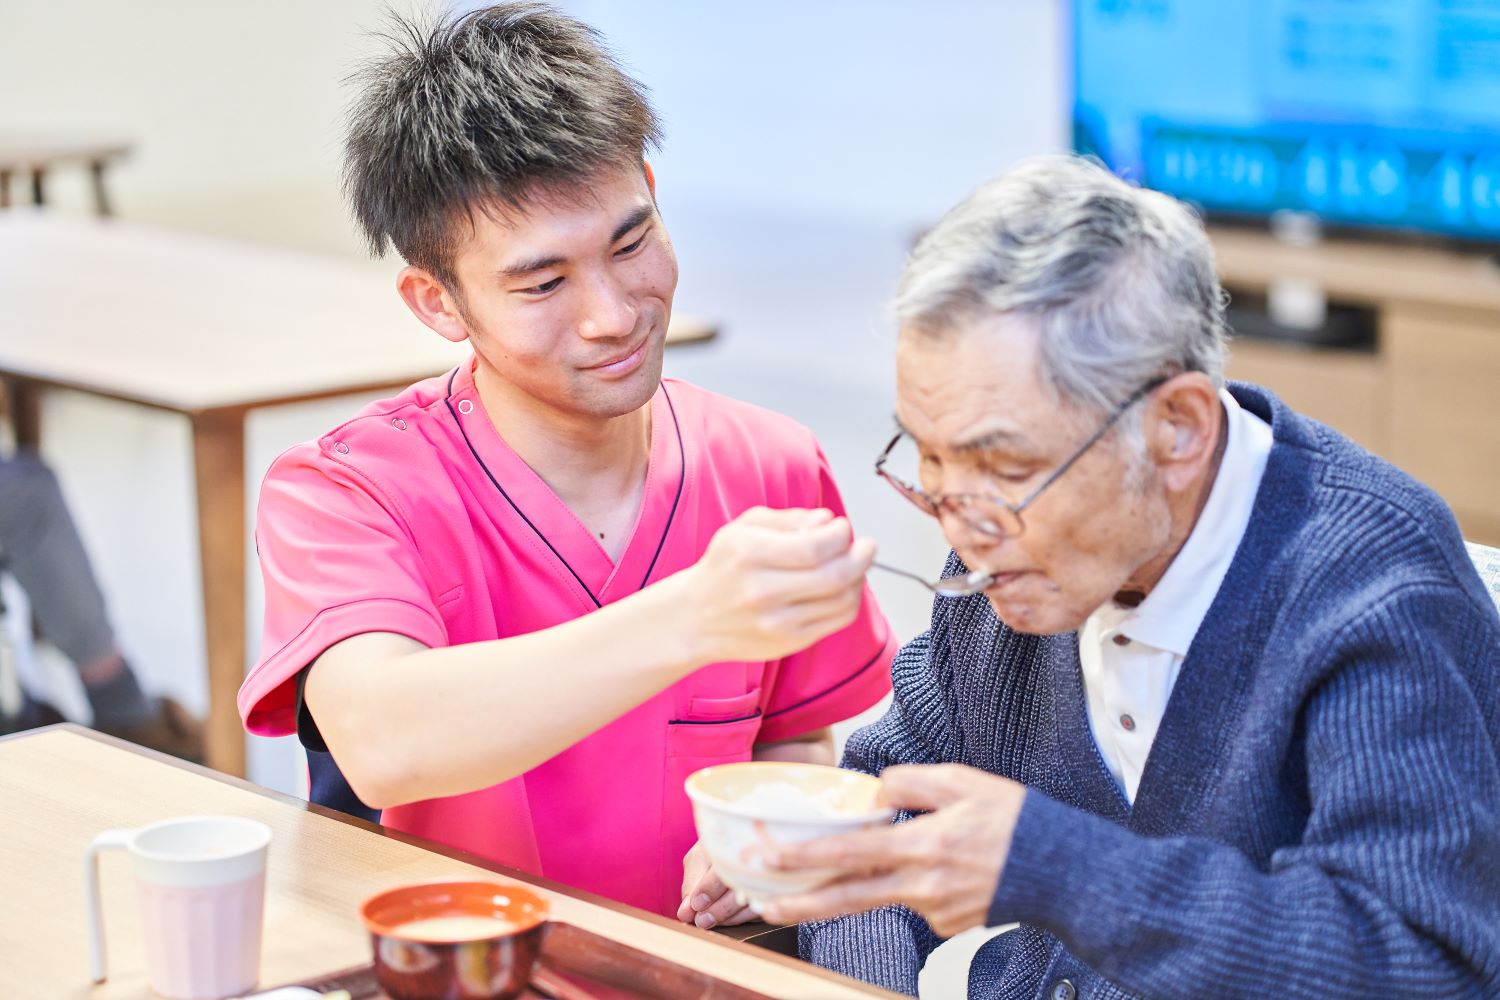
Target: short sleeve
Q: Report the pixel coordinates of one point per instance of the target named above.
(839, 676)
(337, 560)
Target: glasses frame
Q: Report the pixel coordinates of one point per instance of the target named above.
(960, 504)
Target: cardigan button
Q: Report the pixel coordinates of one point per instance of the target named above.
(1063, 990)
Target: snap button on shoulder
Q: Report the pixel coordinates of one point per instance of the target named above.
(341, 447)
(465, 405)
(398, 423)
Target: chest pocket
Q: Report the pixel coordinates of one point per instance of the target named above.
(718, 730)
(715, 730)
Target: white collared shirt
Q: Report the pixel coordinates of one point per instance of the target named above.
(1131, 656)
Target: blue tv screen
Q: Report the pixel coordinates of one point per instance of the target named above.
(1365, 113)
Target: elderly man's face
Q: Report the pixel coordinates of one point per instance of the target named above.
(1088, 534)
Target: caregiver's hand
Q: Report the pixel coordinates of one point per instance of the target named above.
(772, 583)
(706, 901)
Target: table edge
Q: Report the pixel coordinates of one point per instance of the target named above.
(454, 854)
(240, 404)
(693, 332)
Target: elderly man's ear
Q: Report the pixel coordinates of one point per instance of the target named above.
(1184, 422)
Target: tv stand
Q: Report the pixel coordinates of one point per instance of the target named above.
(1421, 390)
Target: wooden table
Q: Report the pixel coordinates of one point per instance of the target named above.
(62, 785)
(209, 329)
(37, 154)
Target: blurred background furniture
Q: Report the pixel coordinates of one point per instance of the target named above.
(210, 329)
(1421, 392)
(34, 155)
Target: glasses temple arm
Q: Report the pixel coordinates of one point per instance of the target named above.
(1135, 397)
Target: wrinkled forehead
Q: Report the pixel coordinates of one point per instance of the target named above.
(978, 381)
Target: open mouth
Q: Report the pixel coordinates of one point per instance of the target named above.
(999, 581)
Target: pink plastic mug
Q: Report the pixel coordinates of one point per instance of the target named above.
(202, 886)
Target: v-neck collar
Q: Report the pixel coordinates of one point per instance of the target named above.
(1208, 699)
(1186, 757)
(575, 548)
(1085, 764)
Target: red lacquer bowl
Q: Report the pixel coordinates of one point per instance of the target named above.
(430, 944)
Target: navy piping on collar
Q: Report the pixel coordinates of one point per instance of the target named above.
(448, 402)
(681, 479)
(832, 687)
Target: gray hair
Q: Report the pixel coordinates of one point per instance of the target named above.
(1119, 280)
(489, 109)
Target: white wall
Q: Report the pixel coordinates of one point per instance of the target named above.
(884, 111)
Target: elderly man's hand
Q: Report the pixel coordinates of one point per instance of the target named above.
(944, 865)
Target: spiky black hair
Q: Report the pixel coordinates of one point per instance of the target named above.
(485, 110)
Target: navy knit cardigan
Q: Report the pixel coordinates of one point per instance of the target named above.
(1320, 812)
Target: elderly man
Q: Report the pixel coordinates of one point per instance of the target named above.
(1223, 722)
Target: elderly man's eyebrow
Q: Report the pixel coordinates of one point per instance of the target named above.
(991, 440)
(987, 441)
(531, 265)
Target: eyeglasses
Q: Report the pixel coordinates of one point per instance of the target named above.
(986, 513)
(991, 515)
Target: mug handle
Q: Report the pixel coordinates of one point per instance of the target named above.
(107, 839)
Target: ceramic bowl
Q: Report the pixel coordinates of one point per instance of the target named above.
(431, 941)
(740, 808)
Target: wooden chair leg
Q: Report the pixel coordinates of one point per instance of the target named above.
(23, 407)
(101, 194)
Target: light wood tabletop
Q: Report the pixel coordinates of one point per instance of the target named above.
(211, 329)
(31, 150)
(61, 786)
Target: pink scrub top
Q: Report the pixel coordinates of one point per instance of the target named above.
(416, 518)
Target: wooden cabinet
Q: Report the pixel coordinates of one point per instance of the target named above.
(1427, 397)
(1340, 388)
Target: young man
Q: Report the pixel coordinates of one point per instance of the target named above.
(521, 602)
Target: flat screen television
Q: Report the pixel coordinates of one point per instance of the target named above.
(1368, 114)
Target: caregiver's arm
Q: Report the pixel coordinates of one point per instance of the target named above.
(406, 722)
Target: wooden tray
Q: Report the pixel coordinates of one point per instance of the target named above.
(592, 966)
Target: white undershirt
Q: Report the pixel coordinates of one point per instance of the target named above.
(1131, 656)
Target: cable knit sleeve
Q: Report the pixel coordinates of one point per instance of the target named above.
(887, 946)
